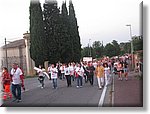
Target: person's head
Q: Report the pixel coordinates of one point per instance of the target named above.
(105, 65)
(15, 65)
(5, 69)
(98, 64)
(53, 65)
(79, 65)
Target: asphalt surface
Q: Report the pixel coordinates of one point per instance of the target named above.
(116, 94)
(62, 96)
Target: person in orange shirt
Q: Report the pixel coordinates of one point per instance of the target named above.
(6, 81)
(100, 75)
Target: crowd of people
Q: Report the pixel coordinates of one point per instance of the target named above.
(102, 69)
(80, 73)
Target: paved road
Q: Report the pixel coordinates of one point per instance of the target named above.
(119, 93)
(63, 96)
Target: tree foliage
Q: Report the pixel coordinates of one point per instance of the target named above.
(37, 36)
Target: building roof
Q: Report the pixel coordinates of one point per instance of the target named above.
(16, 43)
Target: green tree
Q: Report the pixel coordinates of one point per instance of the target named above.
(65, 48)
(98, 49)
(109, 50)
(52, 30)
(74, 34)
(137, 43)
(116, 47)
(37, 36)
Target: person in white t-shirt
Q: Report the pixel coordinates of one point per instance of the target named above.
(67, 75)
(106, 73)
(62, 70)
(16, 74)
(72, 69)
(49, 71)
(80, 74)
(54, 76)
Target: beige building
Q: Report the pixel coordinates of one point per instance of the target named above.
(18, 52)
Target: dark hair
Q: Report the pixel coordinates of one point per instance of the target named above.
(105, 64)
(5, 69)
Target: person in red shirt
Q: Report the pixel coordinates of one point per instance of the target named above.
(6, 82)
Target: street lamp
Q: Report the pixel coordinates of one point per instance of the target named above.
(131, 45)
(6, 53)
(90, 47)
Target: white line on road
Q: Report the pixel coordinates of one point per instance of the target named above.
(101, 101)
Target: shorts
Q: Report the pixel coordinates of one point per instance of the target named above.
(122, 71)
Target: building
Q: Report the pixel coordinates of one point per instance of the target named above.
(18, 52)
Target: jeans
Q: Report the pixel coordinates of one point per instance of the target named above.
(54, 83)
(16, 91)
(79, 81)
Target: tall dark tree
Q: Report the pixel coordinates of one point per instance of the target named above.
(52, 30)
(65, 41)
(74, 34)
(37, 36)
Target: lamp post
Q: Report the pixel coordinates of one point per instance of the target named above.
(6, 53)
(132, 61)
(90, 47)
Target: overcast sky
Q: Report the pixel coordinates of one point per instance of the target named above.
(98, 20)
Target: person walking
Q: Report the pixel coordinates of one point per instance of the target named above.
(54, 76)
(6, 80)
(41, 76)
(71, 69)
(62, 69)
(100, 75)
(106, 73)
(16, 75)
(120, 70)
(79, 75)
(91, 70)
(49, 71)
(125, 68)
(67, 75)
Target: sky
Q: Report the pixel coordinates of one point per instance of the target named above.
(98, 20)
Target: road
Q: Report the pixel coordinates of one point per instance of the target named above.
(63, 96)
(118, 93)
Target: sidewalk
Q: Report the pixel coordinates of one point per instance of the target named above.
(128, 93)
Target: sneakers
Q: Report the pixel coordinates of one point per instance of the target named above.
(77, 86)
(18, 101)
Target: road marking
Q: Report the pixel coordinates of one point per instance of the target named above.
(113, 89)
(101, 101)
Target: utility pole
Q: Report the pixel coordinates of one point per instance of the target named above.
(6, 53)
(89, 47)
(132, 50)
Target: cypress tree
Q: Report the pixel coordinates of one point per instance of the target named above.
(52, 26)
(74, 34)
(37, 37)
(65, 39)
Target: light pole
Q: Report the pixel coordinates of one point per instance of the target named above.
(131, 46)
(6, 53)
(90, 47)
